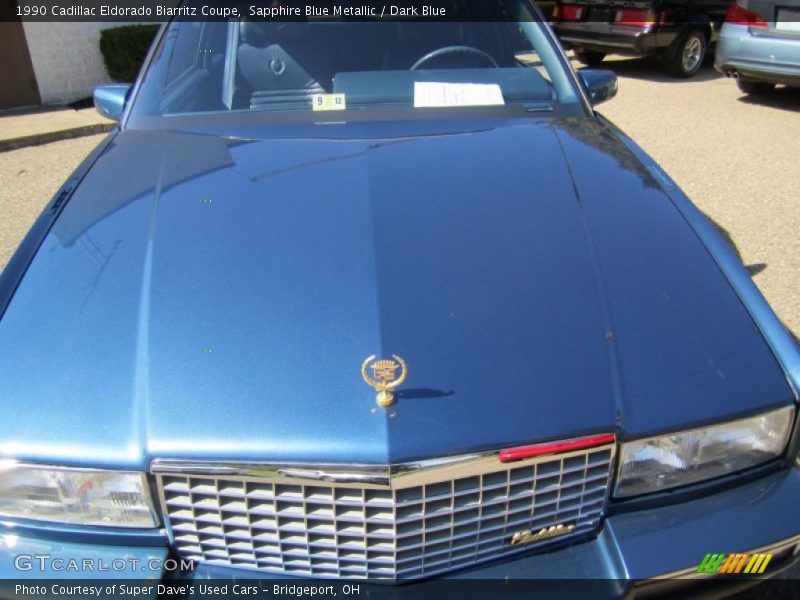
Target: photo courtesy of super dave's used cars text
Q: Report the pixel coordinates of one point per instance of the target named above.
(198, 589)
(388, 301)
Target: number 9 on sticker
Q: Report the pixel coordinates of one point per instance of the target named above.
(328, 102)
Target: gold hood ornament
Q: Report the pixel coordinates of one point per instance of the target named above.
(385, 378)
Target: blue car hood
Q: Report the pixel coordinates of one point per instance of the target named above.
(214, 298)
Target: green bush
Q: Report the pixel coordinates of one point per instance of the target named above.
(124, 48)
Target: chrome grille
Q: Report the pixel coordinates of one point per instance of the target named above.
(399, 522)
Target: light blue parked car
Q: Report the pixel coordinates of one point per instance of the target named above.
(760, 44)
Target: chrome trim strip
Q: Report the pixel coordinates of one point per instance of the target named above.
(369, 476)
(590, 42)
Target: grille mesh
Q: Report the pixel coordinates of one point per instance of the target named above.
(345, 530)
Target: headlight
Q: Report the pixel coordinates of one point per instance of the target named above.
(661, 463)
(80, 496)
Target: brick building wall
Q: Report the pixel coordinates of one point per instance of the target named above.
(66, 59)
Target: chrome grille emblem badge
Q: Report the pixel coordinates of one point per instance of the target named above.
(526, 537)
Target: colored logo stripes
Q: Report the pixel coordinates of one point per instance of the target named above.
(740, 562)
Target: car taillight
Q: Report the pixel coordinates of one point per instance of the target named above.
(640, 17)
(740, 15)
(566, 12)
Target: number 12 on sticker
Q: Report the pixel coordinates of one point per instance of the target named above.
(328, 102)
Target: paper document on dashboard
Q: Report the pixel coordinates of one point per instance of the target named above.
(430, 94)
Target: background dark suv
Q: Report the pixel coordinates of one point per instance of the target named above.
(678, 32)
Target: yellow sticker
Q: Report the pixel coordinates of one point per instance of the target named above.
(328, 102)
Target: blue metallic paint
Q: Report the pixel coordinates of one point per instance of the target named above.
(12, 545)
(525, 312)
(775, 334)
(18, 263)
(109, 100)
(601, 84)
(676, 537)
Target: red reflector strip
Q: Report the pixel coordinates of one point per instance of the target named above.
(513, 454)
(571, 13)
(635, 17)
(741, 16)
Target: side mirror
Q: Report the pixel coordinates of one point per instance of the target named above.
(600, 83)
(109, 100)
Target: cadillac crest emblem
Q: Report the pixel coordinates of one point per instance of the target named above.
(385, 378)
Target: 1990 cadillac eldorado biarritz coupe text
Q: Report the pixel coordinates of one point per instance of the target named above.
(386, 299)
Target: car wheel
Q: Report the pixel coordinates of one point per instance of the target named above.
(755, 87)
(687, 58)
(590, 57)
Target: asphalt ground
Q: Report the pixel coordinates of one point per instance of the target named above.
(736, 156)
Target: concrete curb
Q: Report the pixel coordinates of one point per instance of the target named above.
(46, 137)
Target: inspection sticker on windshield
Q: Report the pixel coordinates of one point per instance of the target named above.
(328, 102)
(431, 94)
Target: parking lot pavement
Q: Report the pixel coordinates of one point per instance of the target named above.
(735, 156)
(22, 128)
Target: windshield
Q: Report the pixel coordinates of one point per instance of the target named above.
(336, 64)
